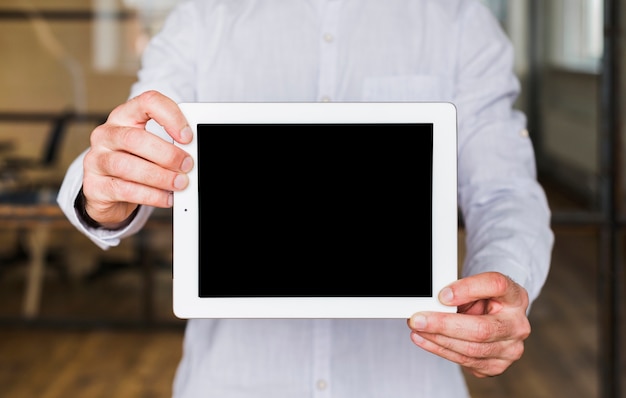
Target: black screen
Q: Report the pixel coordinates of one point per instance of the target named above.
(329, 210)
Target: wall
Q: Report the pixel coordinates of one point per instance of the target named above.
(48, 67)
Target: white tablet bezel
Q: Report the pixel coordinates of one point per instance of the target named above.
(186, 301)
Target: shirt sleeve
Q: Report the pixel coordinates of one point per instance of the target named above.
(169, 61)
(505, 210)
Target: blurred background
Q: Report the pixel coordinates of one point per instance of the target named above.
(78, 321)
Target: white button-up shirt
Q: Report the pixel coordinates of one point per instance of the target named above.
(352, 50)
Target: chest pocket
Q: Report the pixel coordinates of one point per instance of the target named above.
(408, 89)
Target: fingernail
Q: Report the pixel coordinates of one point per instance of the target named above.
(187, 164)
(170, 199)
(446, 295)
(419, 322)
(186, 134)
(180, 181)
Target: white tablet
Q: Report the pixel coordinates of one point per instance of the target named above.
(316, 210)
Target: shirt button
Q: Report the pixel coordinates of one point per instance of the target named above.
(328, 37)
(321, 384)
(524, 133)
(325, 99)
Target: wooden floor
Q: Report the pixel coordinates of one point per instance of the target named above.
(100, 358)
(561, 354)
(96, 363)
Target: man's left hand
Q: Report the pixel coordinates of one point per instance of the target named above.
(487, 333)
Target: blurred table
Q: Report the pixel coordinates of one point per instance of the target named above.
(36, 220)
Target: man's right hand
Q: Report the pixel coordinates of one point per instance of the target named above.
(127, 166)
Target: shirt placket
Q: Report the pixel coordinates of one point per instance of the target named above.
(322, 382)
(327, 80)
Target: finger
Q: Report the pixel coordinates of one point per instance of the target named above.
(487, 328)
(113, 199)
(149, 105)
(107, 139)
(131, 168)
(510, 349)
(487, 285)
(480, 367)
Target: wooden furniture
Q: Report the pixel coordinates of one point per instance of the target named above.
(36, 221)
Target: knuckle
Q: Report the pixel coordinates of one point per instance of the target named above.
(97, 135)
(499, 367)
(168, 156)
(148, 97)
(151, 196)
(517, 351)
(111, 163)
(492, 368)
(477, 367)
(502, 282)
(89, 161)
(126, 138)
(118, 187)
(164, 180)
(525, 330)
(484, 331)
(476, 350)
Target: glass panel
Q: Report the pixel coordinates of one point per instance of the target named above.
(66, 65)
(576, 34)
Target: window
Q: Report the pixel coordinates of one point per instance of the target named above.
(121, 32)
(576, 34)
(498, 7)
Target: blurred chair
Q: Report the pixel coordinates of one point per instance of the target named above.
(26, 180)
(27, 202)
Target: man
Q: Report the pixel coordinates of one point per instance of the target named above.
(337, 50)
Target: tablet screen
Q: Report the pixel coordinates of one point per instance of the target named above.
(315, 210)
